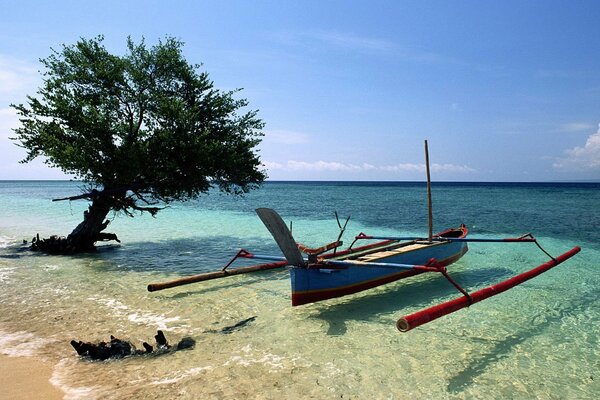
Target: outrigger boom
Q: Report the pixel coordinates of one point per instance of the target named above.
(280, 262)
(419, 318)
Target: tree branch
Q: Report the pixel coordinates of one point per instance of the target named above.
(90, 195)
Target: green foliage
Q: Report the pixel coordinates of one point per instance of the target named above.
(146, 123)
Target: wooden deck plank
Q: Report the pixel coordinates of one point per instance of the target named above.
(389, 253)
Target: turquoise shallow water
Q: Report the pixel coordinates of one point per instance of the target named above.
(539, 340)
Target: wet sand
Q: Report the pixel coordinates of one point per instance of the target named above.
(27, 378)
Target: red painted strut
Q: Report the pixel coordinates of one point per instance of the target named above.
(429, 314)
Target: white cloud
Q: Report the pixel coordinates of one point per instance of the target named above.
(364, 167)
(8, 121)
(271, 165)
(582, 158)
(451, 168)
(10, 154)
(17, 78)
(346, 41)
(286, 137)
(576, 127)
(326, 166)
(407, 167)
(350, 41)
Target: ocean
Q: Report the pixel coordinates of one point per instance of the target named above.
(539, 340)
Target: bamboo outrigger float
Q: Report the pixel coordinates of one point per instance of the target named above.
(325, 273)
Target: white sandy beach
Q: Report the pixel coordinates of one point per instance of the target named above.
(27, 378)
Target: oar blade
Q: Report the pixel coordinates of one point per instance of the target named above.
(282, 235)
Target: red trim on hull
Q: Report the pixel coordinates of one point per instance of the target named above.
(300, 298)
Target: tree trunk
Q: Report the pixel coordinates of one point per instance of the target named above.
(85, 235)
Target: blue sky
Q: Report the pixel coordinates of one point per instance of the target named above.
(503, 90)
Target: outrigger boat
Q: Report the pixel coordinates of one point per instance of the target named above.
(327, 273)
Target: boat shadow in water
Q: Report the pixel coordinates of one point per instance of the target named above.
(390, 300)
(502, 349)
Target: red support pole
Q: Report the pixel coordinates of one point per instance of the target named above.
(429, 314)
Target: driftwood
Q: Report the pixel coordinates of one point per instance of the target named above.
(118, 348)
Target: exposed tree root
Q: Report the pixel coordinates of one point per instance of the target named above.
(64, 245)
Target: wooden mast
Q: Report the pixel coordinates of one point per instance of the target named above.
(430, 236)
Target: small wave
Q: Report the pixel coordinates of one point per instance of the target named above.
(272, 361)
(6, 241)
(146, 318)
(140, 317)
(21, 343)
(50, 267)
(5, 274)
(180, 376)
(59, 378)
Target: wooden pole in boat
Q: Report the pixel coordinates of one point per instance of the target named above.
(430, 236)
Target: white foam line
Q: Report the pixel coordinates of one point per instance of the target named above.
(5, 274)
(273, 361)
(139, 317)
(21, 343)
(181, 376)
(58, 379)
(50, 267)
(145, 318)
(6, 241)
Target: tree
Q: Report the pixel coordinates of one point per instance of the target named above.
(141, 130)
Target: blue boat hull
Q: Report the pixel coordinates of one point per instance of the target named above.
(314, 284)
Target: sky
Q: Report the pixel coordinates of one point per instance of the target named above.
(503, 90)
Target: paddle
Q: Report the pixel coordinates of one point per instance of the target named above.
(282, 236)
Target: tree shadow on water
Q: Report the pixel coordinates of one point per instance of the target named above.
(175, 257)
(187, 256)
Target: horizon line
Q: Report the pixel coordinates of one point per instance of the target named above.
(345, 181)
